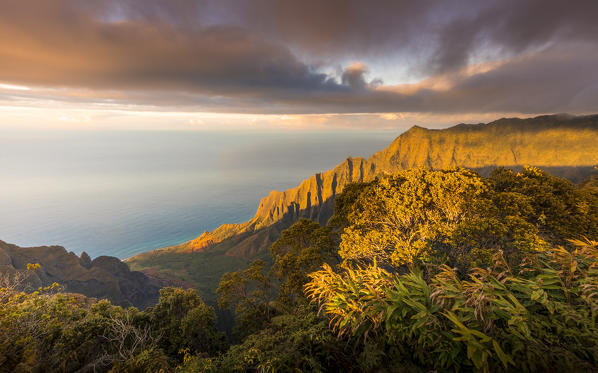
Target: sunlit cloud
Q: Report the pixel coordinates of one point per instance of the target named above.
(389, 116)
(13, 87)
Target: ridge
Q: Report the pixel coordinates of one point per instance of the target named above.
(563, 145)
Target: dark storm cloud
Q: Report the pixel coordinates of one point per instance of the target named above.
(511, 26)
(66, 46)
(446, 33)
(267, 55)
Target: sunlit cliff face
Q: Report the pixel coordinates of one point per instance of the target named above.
(286, 64)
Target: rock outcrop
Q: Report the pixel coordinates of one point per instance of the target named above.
(104, 277)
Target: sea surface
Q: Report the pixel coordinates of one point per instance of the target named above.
(121, 193)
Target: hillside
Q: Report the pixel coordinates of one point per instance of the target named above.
(561, 144)
(103, 277)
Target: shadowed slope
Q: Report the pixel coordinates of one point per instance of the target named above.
(103, 277)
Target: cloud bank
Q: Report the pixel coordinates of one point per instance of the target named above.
(304, 57)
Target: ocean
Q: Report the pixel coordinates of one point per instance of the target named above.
(121, 193)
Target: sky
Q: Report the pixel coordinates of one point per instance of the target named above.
(287, 64)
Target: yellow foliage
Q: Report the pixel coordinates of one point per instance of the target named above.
(403, 215)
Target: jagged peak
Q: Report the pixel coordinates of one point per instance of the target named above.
(85, 260)
(416, 129)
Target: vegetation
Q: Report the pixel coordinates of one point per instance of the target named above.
(200, 270)
(541, 319)
(48, 330)
(417, 271)
(450, 271)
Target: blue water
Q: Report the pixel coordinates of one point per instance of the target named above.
(121, 193)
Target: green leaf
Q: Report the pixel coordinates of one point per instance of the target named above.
(504, 358)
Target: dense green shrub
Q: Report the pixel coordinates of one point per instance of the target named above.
(181, 321)
(456, 217)
(51, 331)
(299, 341)
(450, 271)
(540, 319)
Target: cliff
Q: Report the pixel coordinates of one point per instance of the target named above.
(566, 146)
(553, 142)
(103, 277)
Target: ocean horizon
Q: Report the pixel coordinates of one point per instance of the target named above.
(120, 193)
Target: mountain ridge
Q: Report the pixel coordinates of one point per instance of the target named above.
(564, 145)
(103, 277)
(413, 148)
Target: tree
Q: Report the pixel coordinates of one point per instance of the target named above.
(248, 292)
(560, 210)
(301, 249)
(345, 203)
(459, 218)
(401, 219)
(182, 321)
